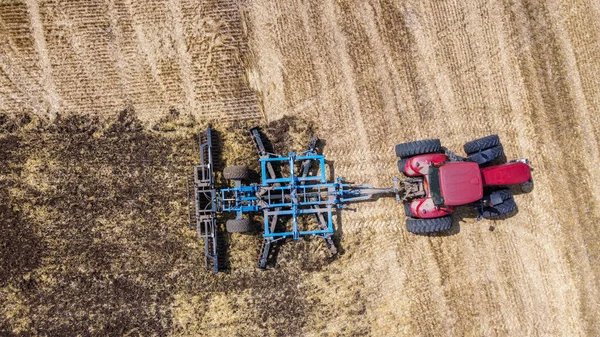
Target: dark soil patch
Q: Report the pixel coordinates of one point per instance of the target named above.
(94, 236)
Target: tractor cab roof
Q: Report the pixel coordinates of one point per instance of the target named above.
(460, 183)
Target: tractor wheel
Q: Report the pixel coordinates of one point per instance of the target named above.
(506, 207)
(407, 210)
(405, 150)
(421, 226)
(236, 172)
(238, 226)
(505, 194)
(481, 144)
(487, 156)
(401, 164)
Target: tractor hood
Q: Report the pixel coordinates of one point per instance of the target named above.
(460, 183)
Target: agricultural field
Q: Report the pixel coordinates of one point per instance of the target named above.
(101, 102)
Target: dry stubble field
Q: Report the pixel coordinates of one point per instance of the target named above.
(94, 238)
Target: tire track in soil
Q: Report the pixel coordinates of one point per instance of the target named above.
(434, 101)
(37, 30)
(431, 265)
(580, 195)
(266, 75)
(183, 57)
(126, 54)
(469, 96)
(498, 118)
(19, 80)
(146, 49)
(78, 44)
(392, 20)
(331, 13)
(377, 126)
(116, 49)
(583, 31)
(585, 129)
(547, 121)
(16, 77)
(541, 197)
(319, 103)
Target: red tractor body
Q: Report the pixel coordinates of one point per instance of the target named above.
(449, 184)
(460, 183)
(507, 174)
(438, 180)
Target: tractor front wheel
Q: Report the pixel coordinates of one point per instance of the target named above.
(422, 226)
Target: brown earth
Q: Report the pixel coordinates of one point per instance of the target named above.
(364, 75)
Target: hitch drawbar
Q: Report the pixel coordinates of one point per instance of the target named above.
(305, 190)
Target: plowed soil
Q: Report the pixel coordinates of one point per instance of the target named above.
(100, 103)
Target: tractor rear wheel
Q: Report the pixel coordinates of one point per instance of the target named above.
(480, 144)
(487, 156)
(238, 226)
(421, 226)
(405, 150)
(236, 172)
(504, 194)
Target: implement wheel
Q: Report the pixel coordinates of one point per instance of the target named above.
(238, 226)
(236, 172)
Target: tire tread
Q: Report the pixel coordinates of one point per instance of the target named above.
(421, 226)
(406, 150)
(480, 144)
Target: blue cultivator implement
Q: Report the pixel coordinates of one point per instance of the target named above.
(303, 191)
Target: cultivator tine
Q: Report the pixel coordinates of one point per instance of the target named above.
(305, 167)
(267, 243)
(323, 224)
(329, 243)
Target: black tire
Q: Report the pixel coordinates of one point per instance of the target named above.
(508, 206)
(401, 164)
(407, 209)
(406, 150)
(236, 172)
(238, 226)
(421, 226)
(487, 156)
(481, 144)
(505, 194)
(527, 187)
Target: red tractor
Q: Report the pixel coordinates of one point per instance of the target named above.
(438, 181)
